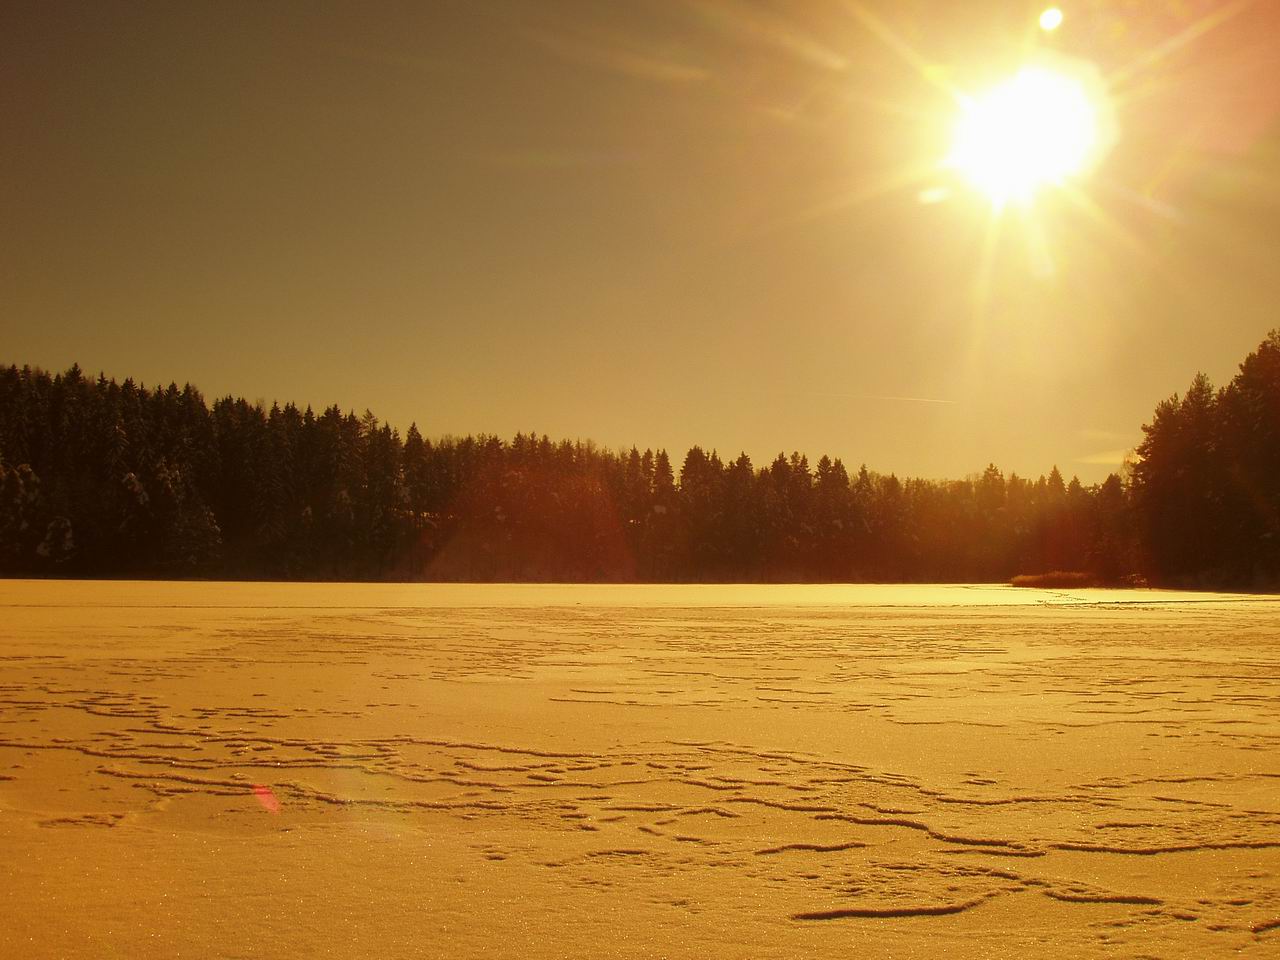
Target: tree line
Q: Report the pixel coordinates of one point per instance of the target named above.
(100, 478)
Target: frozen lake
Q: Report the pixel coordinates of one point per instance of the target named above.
(218, 769)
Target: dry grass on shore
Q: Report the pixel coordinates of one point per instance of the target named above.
(1057, 578)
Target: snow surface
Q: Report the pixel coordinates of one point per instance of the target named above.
(320, 770)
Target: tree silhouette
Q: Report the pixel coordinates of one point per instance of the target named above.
(99, 478)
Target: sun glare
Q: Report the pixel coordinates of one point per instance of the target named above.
(1037, 128)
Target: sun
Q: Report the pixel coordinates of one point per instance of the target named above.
(1040, 127)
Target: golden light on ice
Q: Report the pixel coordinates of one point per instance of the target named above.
(1039, 127)
(1051, 19)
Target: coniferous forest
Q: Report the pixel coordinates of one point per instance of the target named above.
(99, 478)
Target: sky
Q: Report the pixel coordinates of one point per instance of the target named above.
(660, 222)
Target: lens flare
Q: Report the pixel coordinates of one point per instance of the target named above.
(1051, 19)
(266, 796)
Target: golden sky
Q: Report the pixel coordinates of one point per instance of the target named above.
(660, 222)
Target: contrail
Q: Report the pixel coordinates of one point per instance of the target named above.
(876, 396)
(906, 399)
